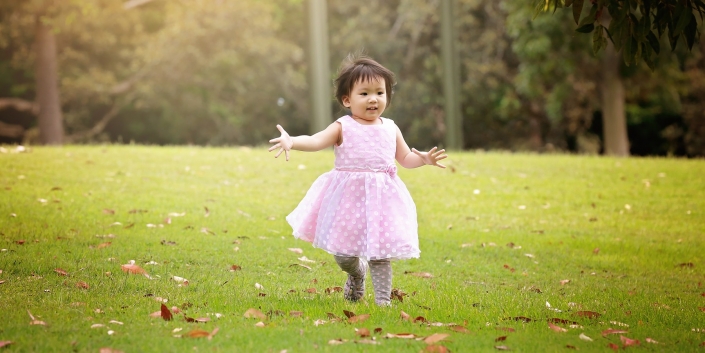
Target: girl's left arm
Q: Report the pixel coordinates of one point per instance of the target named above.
(411, 158)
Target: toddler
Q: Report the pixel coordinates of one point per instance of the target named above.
(361, 212)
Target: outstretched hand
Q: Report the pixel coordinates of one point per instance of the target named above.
(431, 157)
(283, 143)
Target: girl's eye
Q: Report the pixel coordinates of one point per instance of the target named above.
(380, 93)
(364, 94)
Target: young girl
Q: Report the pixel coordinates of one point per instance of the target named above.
(361, 212)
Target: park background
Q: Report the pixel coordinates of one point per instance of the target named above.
(213, 72)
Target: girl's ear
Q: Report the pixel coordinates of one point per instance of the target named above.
(346, 101)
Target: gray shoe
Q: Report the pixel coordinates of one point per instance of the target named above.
(354, 288)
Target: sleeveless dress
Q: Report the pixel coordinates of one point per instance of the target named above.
(360, 208)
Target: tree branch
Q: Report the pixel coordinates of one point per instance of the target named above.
(97, 128)
(19, 104)
(11, 130)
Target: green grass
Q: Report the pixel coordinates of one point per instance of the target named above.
(557, 208)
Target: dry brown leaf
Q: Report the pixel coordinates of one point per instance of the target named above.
(508, 329)
(358, 318)
(337, 341)
(311, 290)
(333, 316)
(333, 290)
(103, 245)
(362, 332)
(502, 348)
(235, 268)
(435, 338)
(571, 347)
(38, 322)
(500, 338)
(400, 335)
(461, 329)
(133, 269)
(302, 266)
(436, 349)
(588, 314)
(296, 250)
(628, 341)
(613, 346)
(156, 314)
(405, 316)
(398, 295)
(348, 314)
(61, 272)
(198, 333)
(253, 313)
(651, 340)
(108, 211)
(81, 284)
(420, 319)
(378, 330)
(165, 313)
(295, 313)
(556, 328)
(419, 274)
(565, 281)
(260, 324)
(611, 331)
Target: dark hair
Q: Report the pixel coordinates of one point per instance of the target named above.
(361, 68)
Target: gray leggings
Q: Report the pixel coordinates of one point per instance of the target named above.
(381, 271)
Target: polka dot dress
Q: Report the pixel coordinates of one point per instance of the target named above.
(361, 208)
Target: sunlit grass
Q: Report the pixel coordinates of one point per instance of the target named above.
(499, 232)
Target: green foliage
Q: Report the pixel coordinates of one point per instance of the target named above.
(632, 24)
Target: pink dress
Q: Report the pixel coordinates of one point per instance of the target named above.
(361, 208)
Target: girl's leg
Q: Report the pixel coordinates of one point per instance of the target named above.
(356, 269)
(381, 271)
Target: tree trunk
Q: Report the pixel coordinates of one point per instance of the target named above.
(51, 129)
(614, 121)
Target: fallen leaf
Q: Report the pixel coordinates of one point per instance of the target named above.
(585, 338)
(400, 335)
(103, 245)
(81, 284)
(97, 325)
(333, 316)
(295, 313)
(378, 330)
(133, 269)
(611, 331)
(500, 338)
(521, 318)
(259, 286)
(337, 341)
(260, 324)
(198, 333)
(556, 328)
(461, 329)
(296, 250)
(38, 322)
(650, 340)
(420, 319)
(502, 348)
(358, 318)
(588, 314)
(333, 290)
(19, 242)
(596, 251)
(208, 212)
(613, 346)
(628, 341)
(570, 347)
(61, 272)
(508, 329)
(405, 316)
(300, 265)
(311, 290)
(165, 313)
(398, 295)
(108, 211)
(109, 350)
(686, 265)
(252, 313)
(362, 332)
(348, 314)
(419, 274)
(436, 349)
(306, 259)
(435, 338)
(565, 281)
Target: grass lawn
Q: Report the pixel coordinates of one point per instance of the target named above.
(609, 243)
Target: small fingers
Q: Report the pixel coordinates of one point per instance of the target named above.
(441, 157)
(286, 153)
(279, 153)
(440, 165)
(278, 145)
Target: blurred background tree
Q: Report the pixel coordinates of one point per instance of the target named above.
(217, 72)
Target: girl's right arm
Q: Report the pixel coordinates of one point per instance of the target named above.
(323, 139)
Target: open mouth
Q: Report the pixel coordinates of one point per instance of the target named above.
(372, 108)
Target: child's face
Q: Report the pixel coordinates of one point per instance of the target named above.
(367, 99)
